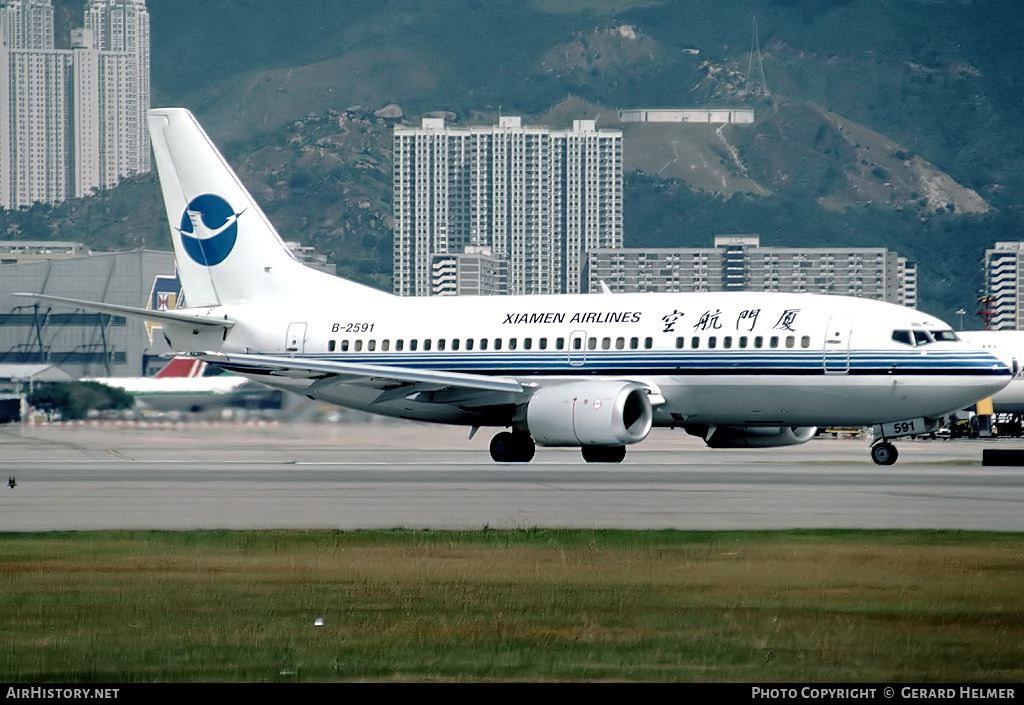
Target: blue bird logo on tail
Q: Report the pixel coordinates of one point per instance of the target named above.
(209, 229)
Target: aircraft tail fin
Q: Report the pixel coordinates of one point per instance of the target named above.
(226, 249)
(182, 367)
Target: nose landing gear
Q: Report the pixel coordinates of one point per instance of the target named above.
(884, 453)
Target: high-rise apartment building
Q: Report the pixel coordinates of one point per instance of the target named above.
(475, 272)
(27, 24)
(1004, 279)
(739, 263)
(534, 198)
(71, 120)
(120, 31)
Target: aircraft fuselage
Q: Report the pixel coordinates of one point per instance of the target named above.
(715, 358)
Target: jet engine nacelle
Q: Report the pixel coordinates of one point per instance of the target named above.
(606, 413)
(759, 436)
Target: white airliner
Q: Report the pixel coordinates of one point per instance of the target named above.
(589, 371)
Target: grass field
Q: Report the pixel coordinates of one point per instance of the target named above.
(527, 605)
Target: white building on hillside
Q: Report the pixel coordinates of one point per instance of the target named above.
(740, 263)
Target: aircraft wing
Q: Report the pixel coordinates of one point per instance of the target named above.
(179, 317)
(326, 372)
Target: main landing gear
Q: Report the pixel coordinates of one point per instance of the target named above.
(518, 447)
(512, 448)
(884, 453)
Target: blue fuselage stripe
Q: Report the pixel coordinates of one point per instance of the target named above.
(594, 362)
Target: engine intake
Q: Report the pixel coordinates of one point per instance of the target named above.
(607, 413)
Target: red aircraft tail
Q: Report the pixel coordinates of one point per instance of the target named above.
(183, 367)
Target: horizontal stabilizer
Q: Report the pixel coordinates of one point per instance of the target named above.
(179, 317)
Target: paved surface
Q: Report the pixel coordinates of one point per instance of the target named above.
(382, 475)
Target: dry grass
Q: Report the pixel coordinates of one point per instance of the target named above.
(521, 605)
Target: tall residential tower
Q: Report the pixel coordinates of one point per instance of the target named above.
(71, 120)
(534, 199)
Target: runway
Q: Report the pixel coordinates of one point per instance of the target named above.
(387, 475)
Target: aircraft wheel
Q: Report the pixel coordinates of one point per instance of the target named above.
(603, 454)
(512, 448)
(884, 453)
(525, 447)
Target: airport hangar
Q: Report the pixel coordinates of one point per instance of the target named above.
(81, 343)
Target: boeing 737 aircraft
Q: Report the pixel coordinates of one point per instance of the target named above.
(589, 371)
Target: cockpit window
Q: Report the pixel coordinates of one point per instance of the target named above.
(922, 337)
(917, 338)
(903, 336)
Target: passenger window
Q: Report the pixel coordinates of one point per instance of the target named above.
(790, 341)
(805, 342)
(440, 344)
(727, 341)
(695, 342)
(743, 341)
(543, 343)
(527, 343)
(385, 345)
(577, 343)
(344, 346)
(512, 344)
(592, 344)
(620, 343)
(497, 343)
(372, 345)
(413, 344)
(426, 344)
(606, 343)
(648, 343)
(483, 343)
(758, 341)
(455, 344)
(634, 343)
(359, 346)
(560, 343)
(773, 342)
(330, 345)
(399, 345)
(680, 342)
(712, 342)
(469, 343)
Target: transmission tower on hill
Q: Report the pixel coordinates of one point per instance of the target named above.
(757, 84)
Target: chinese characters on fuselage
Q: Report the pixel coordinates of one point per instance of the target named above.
(746, 320)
